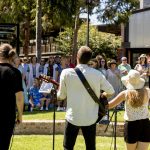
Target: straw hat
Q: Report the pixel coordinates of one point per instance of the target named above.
(133, 80)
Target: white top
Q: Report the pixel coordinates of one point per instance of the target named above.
(132, 114)
(81, 108)
(54, 72)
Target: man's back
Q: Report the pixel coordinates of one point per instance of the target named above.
(81, 109)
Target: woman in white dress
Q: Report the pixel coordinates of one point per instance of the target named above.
(17, 64)
(33, 71)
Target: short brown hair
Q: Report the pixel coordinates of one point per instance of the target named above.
(84, 54)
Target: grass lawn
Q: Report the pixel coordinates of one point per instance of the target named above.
(44, 142)
(48, 115)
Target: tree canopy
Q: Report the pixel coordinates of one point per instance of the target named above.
(99, 42)
(116, 11)
(64, 14)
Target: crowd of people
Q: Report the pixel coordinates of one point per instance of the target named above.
(53, 66)
(31, 70)
(125, 88)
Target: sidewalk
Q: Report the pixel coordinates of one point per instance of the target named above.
(45, 127)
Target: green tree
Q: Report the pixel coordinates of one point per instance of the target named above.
(64, 41)
(61, 14)
(116, 11)
(18, 11)
(70, 16)
(100, 43)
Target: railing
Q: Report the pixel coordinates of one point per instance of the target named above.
(45, 49)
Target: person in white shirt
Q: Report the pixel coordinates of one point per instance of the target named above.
(81, 111)
(33, 71)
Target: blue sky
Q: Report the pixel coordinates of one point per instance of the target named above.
(93, 19)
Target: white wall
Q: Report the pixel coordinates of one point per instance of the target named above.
(144, 3)
(139, 30)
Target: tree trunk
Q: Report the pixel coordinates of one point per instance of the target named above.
(75, 37)
(26, 37)
(38, 29)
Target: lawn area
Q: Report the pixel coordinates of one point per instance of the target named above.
(48, 115)
(44, 142)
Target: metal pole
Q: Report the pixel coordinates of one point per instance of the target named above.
(54, 96)
(115, 129)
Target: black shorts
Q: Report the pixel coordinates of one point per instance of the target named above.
(138, 130)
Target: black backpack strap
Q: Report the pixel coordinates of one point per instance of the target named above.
(88, 88)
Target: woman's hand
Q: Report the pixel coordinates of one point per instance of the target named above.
(18, 119)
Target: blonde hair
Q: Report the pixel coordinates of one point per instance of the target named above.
(6, 51)
(135, 98)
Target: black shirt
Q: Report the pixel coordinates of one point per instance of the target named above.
(10, 84)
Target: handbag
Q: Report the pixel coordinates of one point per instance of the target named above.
(102, 101)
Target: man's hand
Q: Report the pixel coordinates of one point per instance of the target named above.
(104, 94)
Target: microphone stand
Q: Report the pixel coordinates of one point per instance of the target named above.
(115, 126)
(54, 96)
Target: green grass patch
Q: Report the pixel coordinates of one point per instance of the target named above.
(43, 115)
(44, 142)
(48, 115)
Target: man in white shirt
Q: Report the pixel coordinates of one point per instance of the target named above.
(81, 111)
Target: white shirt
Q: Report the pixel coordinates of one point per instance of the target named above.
(81, 108)
(54, 72)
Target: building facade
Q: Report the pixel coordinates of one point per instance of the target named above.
(136, 33)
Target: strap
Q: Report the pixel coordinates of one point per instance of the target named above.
(88, 88)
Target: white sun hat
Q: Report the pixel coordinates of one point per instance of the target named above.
(133, 80)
